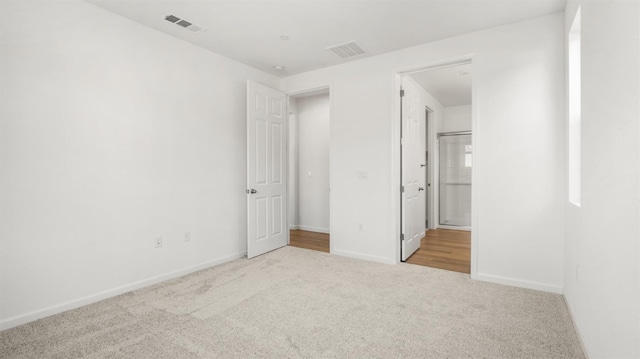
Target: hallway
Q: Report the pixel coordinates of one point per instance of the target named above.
(445, 249)
(309, 240)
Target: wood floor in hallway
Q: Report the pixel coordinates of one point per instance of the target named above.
(445, 249)
(440, 248)
(309, 240)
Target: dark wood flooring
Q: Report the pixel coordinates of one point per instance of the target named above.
(309, 240)
(445, 249)
(440, 248)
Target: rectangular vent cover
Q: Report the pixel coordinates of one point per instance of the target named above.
(172, 18)
(183, 23)
(348, 49)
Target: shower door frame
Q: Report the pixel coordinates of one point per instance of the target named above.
(438, 188)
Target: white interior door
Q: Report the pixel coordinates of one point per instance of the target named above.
(412, 191)
(266, 169)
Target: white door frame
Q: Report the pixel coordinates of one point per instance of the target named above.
(319, 89)
(430, 129)
(395, 152)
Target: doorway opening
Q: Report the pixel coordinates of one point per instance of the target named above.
(309, 169)
(436, 150)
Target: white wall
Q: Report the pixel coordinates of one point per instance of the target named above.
(519, 107)
(456, 118)
(602, 261)
(112, 134)
(313, 163)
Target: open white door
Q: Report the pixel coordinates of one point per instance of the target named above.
(266, 169)
(412, 201)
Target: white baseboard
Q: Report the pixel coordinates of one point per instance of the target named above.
(365, 257)
(80, 302)
(312, 229)
(457, 228)
(545, 287)
(575, 327)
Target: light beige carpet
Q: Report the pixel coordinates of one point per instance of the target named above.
(296, 303)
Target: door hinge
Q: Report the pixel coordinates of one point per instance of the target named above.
(402, 189)
(401, 237)
(401, 93)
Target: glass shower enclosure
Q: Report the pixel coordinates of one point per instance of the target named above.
(455, 179)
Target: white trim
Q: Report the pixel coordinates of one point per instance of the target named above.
(514, 282)
(436, 64)
(313, 229)
(457, 228)
(395, 154)
(394, 174)
(431, 163)
(575, 327)
(93, 298)
(322, 89)
(365, 257)
(476, 137)
(332, 161)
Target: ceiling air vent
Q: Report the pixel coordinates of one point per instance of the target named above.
(183, 23)
(348, 49)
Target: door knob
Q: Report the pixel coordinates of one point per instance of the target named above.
(252, 191)
(420, 188)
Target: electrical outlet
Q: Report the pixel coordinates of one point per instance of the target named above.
(159, 242)
(360, 227)
(187, 236)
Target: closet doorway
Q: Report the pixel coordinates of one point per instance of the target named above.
(309, 169)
